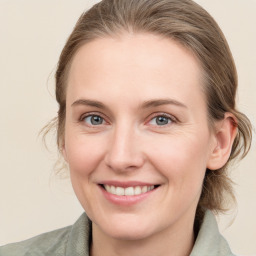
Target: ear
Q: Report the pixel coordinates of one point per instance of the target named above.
(225, 133)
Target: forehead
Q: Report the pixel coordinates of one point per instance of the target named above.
(134, 63)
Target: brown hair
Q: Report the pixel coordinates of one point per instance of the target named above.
(190, 25)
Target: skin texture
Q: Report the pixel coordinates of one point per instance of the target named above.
(129, 144)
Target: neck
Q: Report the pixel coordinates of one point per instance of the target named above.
(173, 241)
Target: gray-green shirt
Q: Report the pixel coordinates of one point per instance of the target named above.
(75, 240)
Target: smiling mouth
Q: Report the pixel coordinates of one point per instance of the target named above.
(128, 191)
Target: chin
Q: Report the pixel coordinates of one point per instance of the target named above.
(127, 229)
(129, 235)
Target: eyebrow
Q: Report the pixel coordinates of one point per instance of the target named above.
(160, 102)
(87, 102)
(145, 104)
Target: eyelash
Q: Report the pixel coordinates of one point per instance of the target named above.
(170, 118)
(91, 115)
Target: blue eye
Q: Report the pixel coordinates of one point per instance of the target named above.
(93, 120)
(160, 120)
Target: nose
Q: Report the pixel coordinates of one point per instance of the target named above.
(125, 150)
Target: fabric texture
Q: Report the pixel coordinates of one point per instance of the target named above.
(75, 241)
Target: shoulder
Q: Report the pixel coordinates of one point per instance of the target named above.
(50, 243)
(71, 240)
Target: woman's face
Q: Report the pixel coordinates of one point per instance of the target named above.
(137, 139)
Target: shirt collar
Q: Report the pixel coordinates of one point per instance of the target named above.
(78, 243)
(209, 240)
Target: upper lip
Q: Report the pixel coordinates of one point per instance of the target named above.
(126, 184)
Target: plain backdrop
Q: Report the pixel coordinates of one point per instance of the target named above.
(34, 200)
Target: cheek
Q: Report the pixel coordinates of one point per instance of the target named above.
(181, 160)
(84, 153)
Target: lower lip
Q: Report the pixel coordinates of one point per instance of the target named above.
(126, 200)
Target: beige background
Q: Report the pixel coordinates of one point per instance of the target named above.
(32, 34)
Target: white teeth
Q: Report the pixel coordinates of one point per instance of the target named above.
(112, 190)
(107, 187)
(144, 189)
(137, 190)
(130, 191)
(119, 191)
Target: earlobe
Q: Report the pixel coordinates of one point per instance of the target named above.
(226, 131)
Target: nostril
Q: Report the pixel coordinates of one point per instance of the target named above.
(121, 158)
(124, 166)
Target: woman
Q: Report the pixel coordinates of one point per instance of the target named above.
(147, 124)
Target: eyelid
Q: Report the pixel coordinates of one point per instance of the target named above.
(83, 116)
(154, 115)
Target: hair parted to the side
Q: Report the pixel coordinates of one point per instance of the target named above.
(190, 25)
